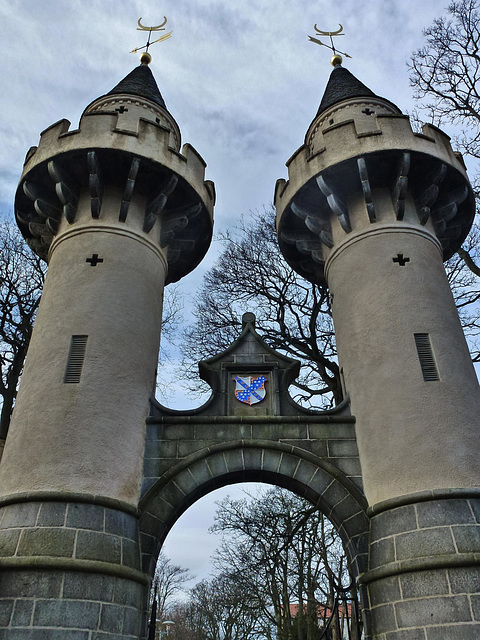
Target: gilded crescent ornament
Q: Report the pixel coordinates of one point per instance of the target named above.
(327, 33)
(141, 27)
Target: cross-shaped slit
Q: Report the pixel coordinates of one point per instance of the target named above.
(401, 260)
(94, 260)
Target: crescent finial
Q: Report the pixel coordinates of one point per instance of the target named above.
(329, 33)
(141, 27)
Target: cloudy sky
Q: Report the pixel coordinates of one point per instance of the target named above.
(240, 78)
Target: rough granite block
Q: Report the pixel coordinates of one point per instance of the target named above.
(111, 618)
(217, 466)
(252, 458)
(45, 541)
(424, 542)
(325, 431)
(172, 494)
(408, 634)
(176, 432)
(185, 482)
(8, 541)
(151, 467)
(147, 483)
(271, 460)
(383, 619)
(20, 515)
(441, 610)
(384, 591)
(46, 634)
(98, 546)
(161, 449)
(465, 579)
(66, 613)
(475, 600)
(200, 472)
(346, 509)
(27, 584)
(382, 552)
(187, 447)
(86, 586)
(342, 448)
(475, 506)
(6, 608)
(394, 521)
(131, 621)
(234, 460)
(334, 494)
(22, 613)
(424, 584)
(290, 432)
(85, 516)
(121, 524)
(467, 538)
(305, 472)
(349, 466)
(443, 512)
(320, 481)
(288, 465)
(455, 632)
(52, 514)
(129, 594)
(130, 553)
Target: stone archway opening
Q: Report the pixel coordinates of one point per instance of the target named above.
(280, 530)
(281, 466)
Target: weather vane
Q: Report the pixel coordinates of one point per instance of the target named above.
(336, 58)
(146, 57)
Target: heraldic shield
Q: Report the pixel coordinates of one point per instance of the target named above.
(250, 389)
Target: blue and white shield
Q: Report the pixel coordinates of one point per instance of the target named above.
(250, 389)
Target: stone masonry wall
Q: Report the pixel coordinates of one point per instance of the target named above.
(70, 571)
(424, 578)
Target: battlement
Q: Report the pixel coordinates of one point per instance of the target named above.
(140, 159)
(102, 130)
(364, 155)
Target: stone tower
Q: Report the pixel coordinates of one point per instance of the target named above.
(374, 209)
(119, 209)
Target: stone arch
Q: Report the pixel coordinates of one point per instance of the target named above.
(275, 463)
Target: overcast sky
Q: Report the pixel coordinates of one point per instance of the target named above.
(240, 78)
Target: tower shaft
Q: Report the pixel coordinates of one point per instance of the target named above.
(110, 206)
(373, 209)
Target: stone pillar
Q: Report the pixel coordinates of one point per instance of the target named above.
(373, 209)
(109, 205)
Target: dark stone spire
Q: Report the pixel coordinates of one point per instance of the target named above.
(343, 85)
(140, 82)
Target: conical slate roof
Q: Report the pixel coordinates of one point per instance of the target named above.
(140, 82)
(343, 85)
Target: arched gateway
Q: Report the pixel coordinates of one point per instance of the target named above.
(88, 491)
(274, 440)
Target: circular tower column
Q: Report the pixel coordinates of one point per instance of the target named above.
(118, 209)
(373, 209)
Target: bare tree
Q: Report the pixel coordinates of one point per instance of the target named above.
(21, 280)
(281, 551)
(445, 74)
(223, 610)
(169, 579)
(293, 315)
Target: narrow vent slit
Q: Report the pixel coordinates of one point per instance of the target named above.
(425, 355)
(75, 360)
